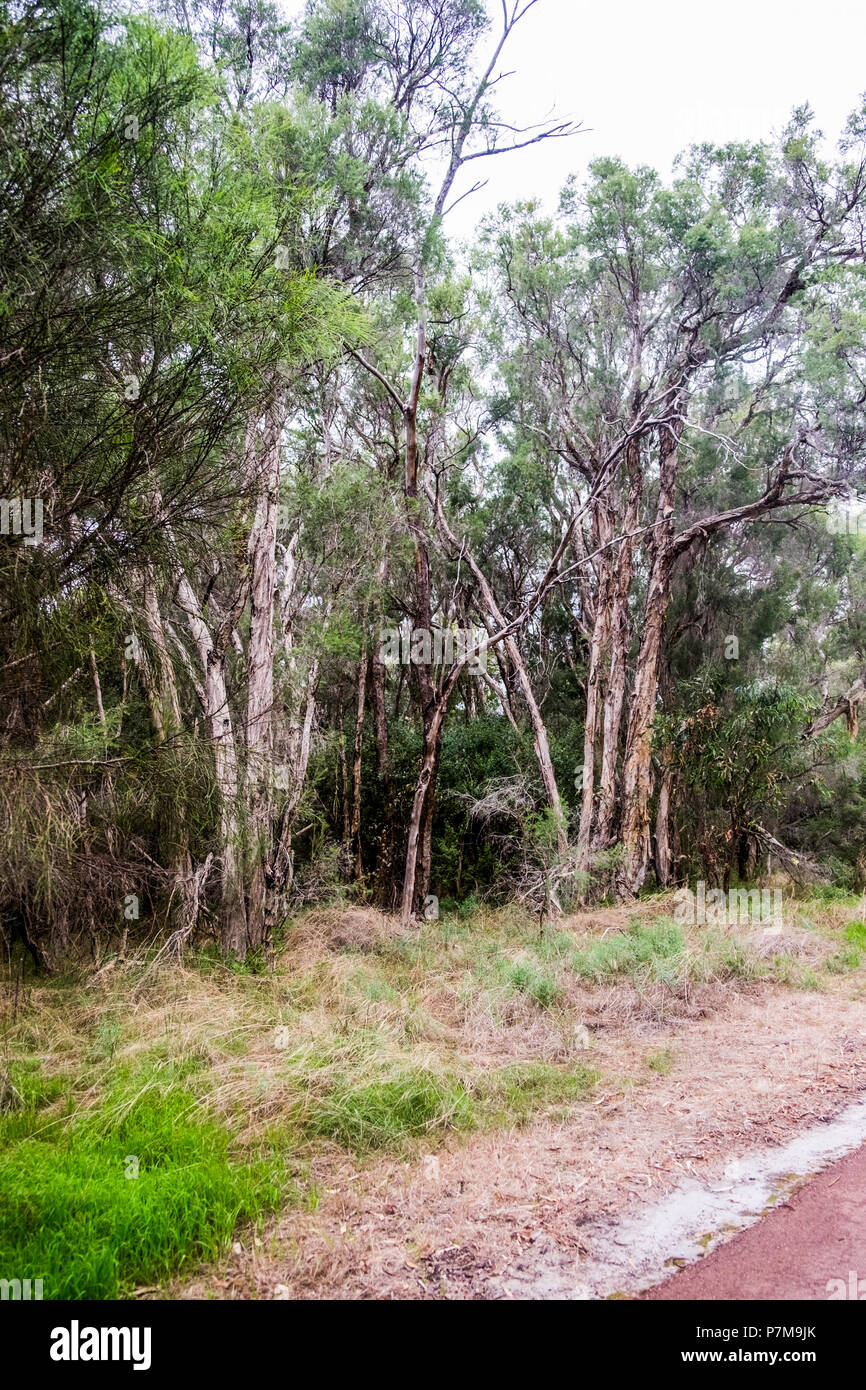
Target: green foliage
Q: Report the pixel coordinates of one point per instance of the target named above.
(526, 978)
(856, 932)
(736, 750)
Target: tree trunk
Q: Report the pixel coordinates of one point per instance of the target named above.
(620, 636)
(295, 739)
(600, 631)
(234, 917)
(433, 711)
(216, 709)
(160, 684)
(97, 687)
(264, 467)
(663, 853)
(420, 829)
(425, 857)
(637, 768)
(385, 887)
(355, 828)
(346, 848)
(300, 740)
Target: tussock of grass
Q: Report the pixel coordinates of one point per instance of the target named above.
(385, 1113)
(844, 961)
(807, 980)
(661, 1061)
(526, 978)
(855, 932)
(517, 1093)
(627, 952)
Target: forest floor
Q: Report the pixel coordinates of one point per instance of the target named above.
(694, 1077)
(473, 1110)
(533, 1212)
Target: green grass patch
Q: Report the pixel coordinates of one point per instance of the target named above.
(661, 1061)
(807, 979)
(516, 1094)
(855, 932)
(849, 958)
(658, 946)
(524, 977)
(830, 893)
(388, 1112)
(73, 1214)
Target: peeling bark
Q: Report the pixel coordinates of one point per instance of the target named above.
(663, 851)
(620, 637)
(600, 631)
(212, 654)
(355, 828)
(263, 467)
(637, 768)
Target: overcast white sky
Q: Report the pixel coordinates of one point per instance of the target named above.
(647, 77)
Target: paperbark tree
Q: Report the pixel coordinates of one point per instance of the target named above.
(620, 329)
(263, 461)
(212, 686)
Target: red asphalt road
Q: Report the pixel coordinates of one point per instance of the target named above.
(816, 1236)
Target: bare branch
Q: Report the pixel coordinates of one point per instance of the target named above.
(380, 377)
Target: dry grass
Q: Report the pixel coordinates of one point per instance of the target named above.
(352, 995)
